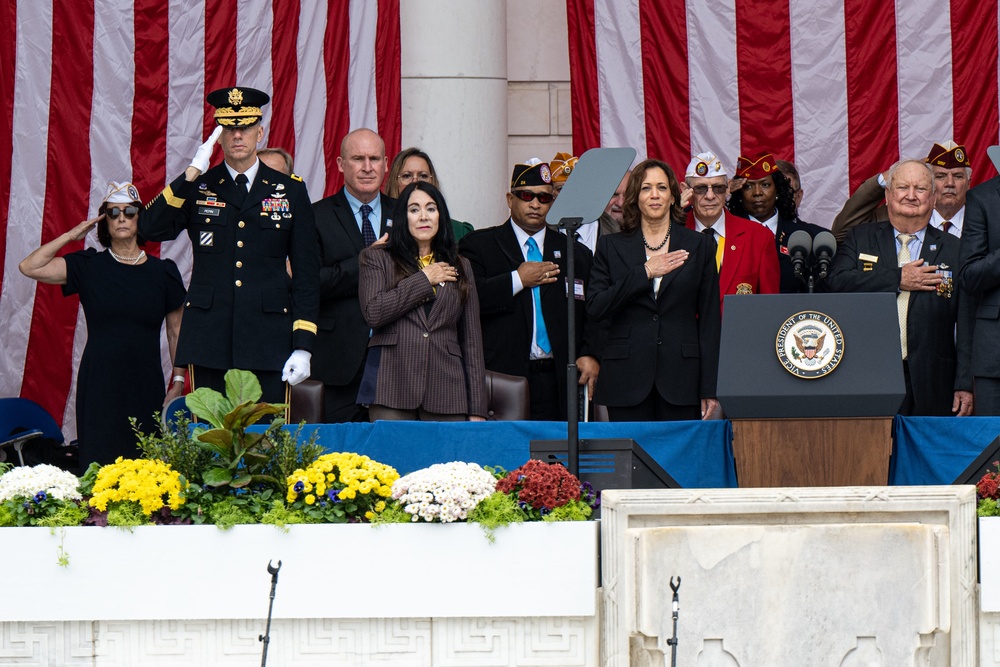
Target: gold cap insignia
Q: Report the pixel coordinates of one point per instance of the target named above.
(236, 96)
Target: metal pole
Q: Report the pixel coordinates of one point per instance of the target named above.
(677, 607)
(571, 225)
(266, 637)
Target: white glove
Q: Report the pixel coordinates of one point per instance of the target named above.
(204, 153)
(297, 367)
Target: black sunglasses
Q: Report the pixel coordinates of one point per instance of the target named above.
(114, 211)
(528, 195)
(719, 189)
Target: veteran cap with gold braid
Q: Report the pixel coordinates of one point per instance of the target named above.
(238, 106)
(533, 172)
(121, 193)
(562, 166)
(949, 155)
(754, 170)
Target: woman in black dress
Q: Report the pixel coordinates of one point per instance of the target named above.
(126, 295)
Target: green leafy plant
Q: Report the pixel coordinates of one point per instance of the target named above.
(241, 458)
(175, 445)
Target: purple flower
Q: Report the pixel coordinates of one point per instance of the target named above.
(299, 486)
(332, 495)
(40, 496)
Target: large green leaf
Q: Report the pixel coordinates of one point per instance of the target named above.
(242, 387)
(222, 441)
(217, 477)
(240, 481)
(209, 405)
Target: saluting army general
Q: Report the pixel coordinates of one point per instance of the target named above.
(243, 218)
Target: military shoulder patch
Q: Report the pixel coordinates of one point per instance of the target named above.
(296, 177)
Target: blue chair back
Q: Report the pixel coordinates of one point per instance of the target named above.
(170, 412)
(21, 414)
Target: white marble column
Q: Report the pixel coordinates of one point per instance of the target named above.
(454, 100)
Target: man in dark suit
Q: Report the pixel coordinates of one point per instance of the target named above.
(347, 222)
(745, 254)
(244, 219)
(907, 257)
(767, 198)
(519, 271)
(980, 277)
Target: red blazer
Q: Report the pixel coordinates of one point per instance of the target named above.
(749, 258)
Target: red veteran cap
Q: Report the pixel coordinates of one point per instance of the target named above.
(754, 170)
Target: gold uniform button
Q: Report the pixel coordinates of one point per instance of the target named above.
(278, 226)
(239, 265)
(239, 244)
(188, 304)
(208, 220)
(242, 224)
(239, 283)
(284, 310)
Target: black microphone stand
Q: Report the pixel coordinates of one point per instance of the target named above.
(672, 642)
(266, 637)
(571, 225)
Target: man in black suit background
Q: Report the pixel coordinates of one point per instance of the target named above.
(980, 277)
(906, 256)
(519, 273)
(243, 219)
(353, 218)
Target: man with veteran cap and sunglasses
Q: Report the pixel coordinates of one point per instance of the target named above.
(519, 269)
(745, 251)
(243, 218)
(952, 174)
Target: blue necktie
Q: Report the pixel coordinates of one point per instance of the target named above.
(541, 333)
(367, 231)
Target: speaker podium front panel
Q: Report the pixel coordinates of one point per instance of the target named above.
(811, 382)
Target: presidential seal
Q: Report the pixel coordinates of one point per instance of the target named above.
(809, 344)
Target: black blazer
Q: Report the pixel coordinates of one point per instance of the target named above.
(507, 319)
(343, 332)
(980, 273)
(241, 309)
(937, 369)
(670, 340)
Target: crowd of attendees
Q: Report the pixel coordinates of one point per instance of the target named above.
(399, 310)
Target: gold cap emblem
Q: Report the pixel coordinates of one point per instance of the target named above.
(236, 96)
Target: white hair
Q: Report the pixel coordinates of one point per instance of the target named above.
(895, 167)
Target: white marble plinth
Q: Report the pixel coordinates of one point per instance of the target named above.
(791, 577)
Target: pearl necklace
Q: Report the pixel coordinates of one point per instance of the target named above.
(128, 260)
(662, 243)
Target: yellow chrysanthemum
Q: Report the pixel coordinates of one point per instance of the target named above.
(310, 499)
(151, 483)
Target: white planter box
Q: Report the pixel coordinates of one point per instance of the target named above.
(989, 564)
(328, 571)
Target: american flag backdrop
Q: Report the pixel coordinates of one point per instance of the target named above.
(843, 88)
(99, 90)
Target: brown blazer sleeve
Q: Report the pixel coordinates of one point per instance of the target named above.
(865, 205)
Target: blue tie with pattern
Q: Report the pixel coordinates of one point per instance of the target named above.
(367, 231)
(541, 333)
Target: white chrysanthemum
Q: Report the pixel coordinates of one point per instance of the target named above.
(443, 492)
(26, 482)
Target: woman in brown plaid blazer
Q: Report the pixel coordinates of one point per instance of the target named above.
(417, 295)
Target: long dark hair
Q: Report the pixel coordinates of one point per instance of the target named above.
(631, 217)
(785, 202)
(402, 247)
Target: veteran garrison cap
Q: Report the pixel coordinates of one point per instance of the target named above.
(534, 172)
(948, 155)
(562, 166)
(705, 165)
(754, 170)
(238, 106)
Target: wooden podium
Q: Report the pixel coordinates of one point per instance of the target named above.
(793, 427)
(812, 452)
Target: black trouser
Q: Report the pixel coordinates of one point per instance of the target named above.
(654, 408)
(543, 388)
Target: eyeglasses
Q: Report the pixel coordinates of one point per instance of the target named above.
(719, 189)
(528, 195)
(129, 211)
(409, 177)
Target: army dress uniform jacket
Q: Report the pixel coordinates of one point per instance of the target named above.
(242, 310)
(938, 365)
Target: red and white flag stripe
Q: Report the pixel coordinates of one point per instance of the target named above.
(841, 87)
(114, 90)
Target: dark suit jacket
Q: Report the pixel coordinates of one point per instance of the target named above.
(432, 360)
(748, 258)
(507, 319)
(671, 340)
(980, 273)
(343, 332)
(241, 310)
(936, 369)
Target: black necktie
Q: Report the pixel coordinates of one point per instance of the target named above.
(367, 231)
(241, 189)
(710, 233)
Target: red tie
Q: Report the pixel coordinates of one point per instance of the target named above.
(945, 226)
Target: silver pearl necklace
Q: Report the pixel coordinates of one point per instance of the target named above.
(128, 260)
